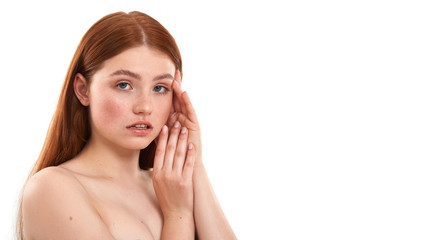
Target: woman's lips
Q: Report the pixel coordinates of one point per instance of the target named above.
(140, 128)
(140, 131)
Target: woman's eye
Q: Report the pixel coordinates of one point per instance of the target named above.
(123, 86)
(160, 89)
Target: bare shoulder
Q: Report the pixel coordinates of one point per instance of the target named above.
(56, 205)
(49, 176)
(52, 182)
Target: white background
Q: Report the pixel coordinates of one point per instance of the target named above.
(313, 112)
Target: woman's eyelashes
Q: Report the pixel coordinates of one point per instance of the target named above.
(161, 89)
(124, 86)
(157, 89)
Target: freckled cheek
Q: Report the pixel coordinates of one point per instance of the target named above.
(107, 110)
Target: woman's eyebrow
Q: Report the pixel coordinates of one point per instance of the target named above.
(138, 77)
(127, 73)
(163, 76)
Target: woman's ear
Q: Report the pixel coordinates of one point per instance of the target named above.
(81, 89)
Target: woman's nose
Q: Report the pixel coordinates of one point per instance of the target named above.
(143, 104)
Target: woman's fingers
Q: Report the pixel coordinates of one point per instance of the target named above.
(172, 119)
(171, 152)
(183, 103)
(177, 85)
(181, 151)
(190, 112)
(171, 147)
(178, 102)
(176, 99)
(161, 149)
(187, 171)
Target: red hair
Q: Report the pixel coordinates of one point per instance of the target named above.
(69, 129)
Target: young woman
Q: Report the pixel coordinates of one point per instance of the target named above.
(122, 157)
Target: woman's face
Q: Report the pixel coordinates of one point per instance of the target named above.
(130, 97)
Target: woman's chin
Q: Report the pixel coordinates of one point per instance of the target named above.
(138, 145)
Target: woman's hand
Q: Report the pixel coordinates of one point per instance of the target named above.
(183, 111)
(210, 221)
(173, 173)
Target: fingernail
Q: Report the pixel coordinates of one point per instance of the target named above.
(164, 128)
(190, 146)
(176, 125)
(183, 130)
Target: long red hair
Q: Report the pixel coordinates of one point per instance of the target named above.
(69, 129)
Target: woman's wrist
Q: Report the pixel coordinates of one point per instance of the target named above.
(178, 215)
(178, 226)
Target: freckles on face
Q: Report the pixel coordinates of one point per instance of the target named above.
(106, 109)
(133, 86)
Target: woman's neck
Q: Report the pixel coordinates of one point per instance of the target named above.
(110, 161)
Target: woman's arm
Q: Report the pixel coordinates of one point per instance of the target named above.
(210, 220)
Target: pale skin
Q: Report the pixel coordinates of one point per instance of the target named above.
(102, 193)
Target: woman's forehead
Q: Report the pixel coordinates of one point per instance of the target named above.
(139, 62)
